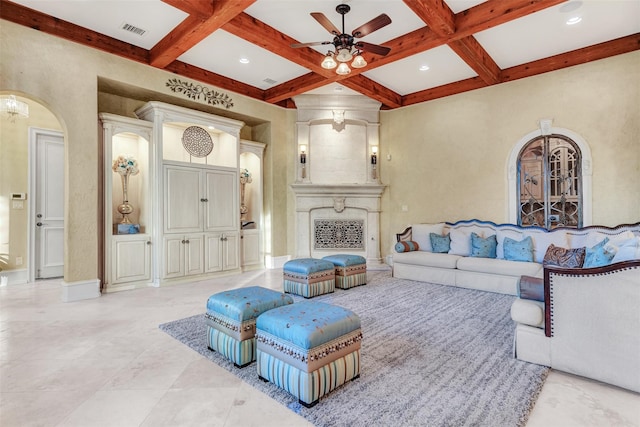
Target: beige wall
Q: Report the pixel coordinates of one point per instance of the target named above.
(454, 151)
(65, 77)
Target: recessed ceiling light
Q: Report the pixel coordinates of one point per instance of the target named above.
(574, 20)
(423, 68)
(244, 60)
(570, 7)
(211, 127)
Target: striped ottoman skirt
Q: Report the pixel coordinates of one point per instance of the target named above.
(351, 270)
(308, 348)
(231, 320)
(308, 277)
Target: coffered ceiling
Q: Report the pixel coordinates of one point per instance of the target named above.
(460, 45)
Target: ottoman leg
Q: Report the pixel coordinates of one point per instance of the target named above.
(308, 405)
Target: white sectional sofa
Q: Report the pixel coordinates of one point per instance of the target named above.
(584, 321)
(588, 324)
(458, 268)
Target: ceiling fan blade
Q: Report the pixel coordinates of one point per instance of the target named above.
(373, 48)
(371, 26)
(324, 21)
(297, 45)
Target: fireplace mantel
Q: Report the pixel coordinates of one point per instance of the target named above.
(338, 190)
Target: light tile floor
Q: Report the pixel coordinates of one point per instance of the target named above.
(104, 362)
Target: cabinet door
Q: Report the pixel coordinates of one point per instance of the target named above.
(182, 203)
(231, 251)
(222, 210)
(173, 257)
(250, 245)
(194, 254)
(213, 252)
(131, 259)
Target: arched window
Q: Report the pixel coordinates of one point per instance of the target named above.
(549, 179)
(550, 182)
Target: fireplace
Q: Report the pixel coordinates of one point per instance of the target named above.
(332, 219)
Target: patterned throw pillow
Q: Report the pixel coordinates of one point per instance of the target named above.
(483, 248)
(407, 246)
(440, 244)
(518, 251)
(563, 257)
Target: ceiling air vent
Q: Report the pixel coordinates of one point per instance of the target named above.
(133, 29)
(269, 81)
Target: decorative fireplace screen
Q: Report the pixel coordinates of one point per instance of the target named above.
(338, 234)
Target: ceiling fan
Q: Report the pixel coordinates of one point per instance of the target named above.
(346, 47)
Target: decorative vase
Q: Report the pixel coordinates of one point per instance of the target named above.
(125, 208)
(243, 208)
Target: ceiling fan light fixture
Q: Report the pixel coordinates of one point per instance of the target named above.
(343, 69)
(328, 62)
(359, 62)
(344, 55)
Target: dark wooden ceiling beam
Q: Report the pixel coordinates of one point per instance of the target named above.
(194, 29)
(477, 58)
(19, 14)
(436, 14)
(569, 59)
(576, 57)
(200, 8)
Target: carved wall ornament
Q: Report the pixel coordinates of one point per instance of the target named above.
(194, 91)
(338, 204)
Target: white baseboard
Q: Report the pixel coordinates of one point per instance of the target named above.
(77, 291)
(14, 277)
(275, 262)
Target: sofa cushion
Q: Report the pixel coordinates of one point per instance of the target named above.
(528, 312)
(460, 242)
(407, 246)
(563, 257)
(597, 256)
(625, 250)
(420, 234)
(531, 288)
(483, 247)
(499, 266)
(440, 244)
(518, 250)
(427, 259)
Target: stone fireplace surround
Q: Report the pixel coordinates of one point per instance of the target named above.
(338, 185)
(338, 202)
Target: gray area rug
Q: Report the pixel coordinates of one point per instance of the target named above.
(431, 356)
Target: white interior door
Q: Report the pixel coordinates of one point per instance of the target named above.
(48, 224)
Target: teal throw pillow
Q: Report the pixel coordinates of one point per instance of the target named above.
(440, 244)
(598, 256)
(407, 246)
(483, 248)
(518, 251)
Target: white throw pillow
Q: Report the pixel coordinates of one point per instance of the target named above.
(420, 234)
(460, 242)
(625, 250)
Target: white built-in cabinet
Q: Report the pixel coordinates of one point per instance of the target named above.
(186, 200)
(127, 257)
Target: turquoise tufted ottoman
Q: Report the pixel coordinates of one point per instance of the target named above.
(351, 270)
(309, 277)
(308, 348)
(231, 320)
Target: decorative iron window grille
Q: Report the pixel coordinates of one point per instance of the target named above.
(550, 183)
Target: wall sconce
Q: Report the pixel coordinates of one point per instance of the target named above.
(303, 159)
(374, 160)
